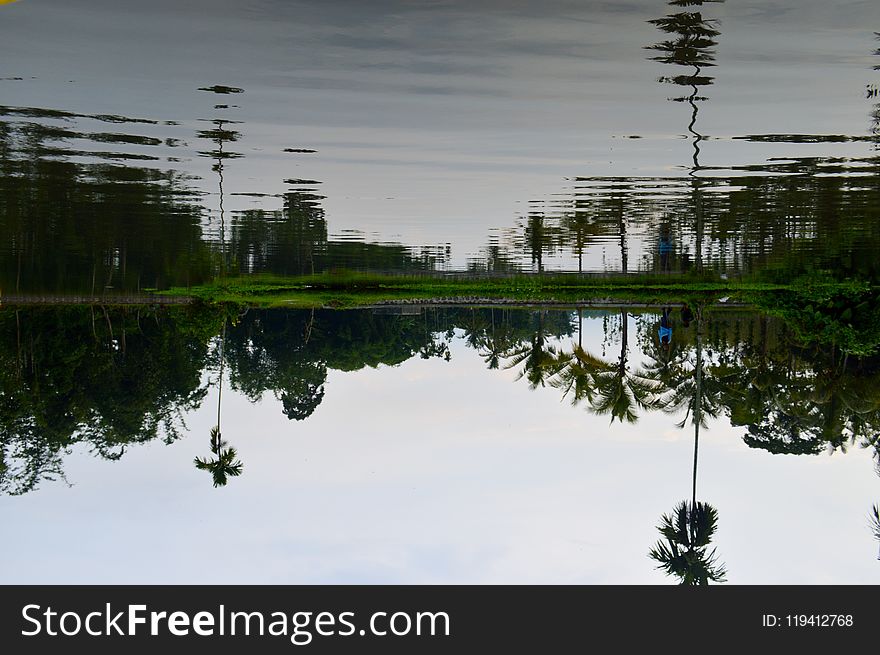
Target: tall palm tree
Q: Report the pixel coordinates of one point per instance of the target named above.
(224, 464)
(684, 550)
(688, 531)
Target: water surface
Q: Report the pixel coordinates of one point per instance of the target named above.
(288, 137)
(446, 445)
(150, 145)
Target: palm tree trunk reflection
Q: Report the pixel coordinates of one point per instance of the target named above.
(225, 463)
(688, 531)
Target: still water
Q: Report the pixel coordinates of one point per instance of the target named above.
(145, 145)
(451, 444)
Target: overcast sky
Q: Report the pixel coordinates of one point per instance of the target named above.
(435, 472)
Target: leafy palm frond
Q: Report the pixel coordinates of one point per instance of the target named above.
(684, 550)
(224, 464)
(577, 374)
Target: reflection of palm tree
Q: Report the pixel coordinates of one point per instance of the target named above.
(620, 391)
(692, 46)
(578, 373)
(492, 350)
(224, 463)
(684, 551)
(493, 345)
(591, 216)
(701, 390)
(580, 227)
(539, 236)
(537, 358)
(665, 363)
(608, 387)
(689, 530)
(220, 135)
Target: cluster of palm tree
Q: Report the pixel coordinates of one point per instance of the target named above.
(790, 398)
(674, 381)
(607, 387)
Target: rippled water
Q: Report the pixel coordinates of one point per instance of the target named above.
(297, 136)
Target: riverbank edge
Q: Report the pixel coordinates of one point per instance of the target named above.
(363, 290)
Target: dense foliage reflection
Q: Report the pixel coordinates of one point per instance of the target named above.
(102, 378)
(109, 378)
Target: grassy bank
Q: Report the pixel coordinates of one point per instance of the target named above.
(361, 289)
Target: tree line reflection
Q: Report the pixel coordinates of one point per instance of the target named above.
(114, 377)
(101, 209)
(107, 379)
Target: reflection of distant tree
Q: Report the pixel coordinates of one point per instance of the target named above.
(71, 227)
(113, 378)
(806, 402)
(579, 227)
(539, 236)
(104, 378)
(599, 215)
(271, 351)
(284, 242)
(289, 353)
(294, 241)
